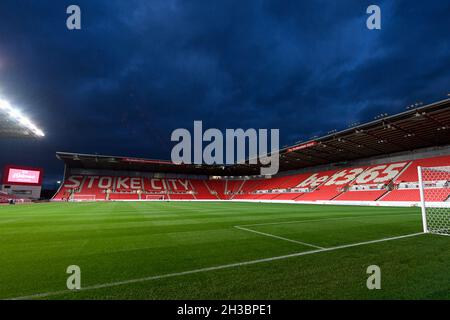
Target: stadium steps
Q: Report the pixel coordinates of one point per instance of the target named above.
(386, 191)
(337, 195)
(240, 188)
(237, 190)
(209, 189)
(201, 190)
(384, 195)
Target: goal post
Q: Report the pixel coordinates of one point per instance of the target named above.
(155, 197)
(434, 189)
(83, 197)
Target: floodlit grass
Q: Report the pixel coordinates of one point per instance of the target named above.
(122, 241)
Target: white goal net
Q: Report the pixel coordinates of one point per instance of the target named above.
(434, 185)
(83, 197)
(155, 197)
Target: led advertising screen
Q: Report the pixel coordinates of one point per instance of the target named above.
(22, 176)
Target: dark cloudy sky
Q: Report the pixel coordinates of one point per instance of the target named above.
(140, 69)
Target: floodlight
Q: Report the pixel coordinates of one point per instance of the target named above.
(18, 117)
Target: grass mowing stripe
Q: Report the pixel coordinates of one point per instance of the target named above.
(233, 265)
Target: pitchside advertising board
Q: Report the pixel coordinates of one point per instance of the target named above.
(22, 181)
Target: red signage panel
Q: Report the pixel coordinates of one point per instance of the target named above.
(303, 146)
(18, 175)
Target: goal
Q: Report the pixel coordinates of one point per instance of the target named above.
(434, 186)
(83, 197)
(155, 197)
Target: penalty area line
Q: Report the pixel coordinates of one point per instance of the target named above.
(278, 237)
(328, 219)
(226, 266)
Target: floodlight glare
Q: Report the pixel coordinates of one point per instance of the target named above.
(17, 116)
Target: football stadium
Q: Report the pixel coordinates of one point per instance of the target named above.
(360, 213)
(151, 229)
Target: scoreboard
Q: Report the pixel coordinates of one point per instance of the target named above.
(24, 182)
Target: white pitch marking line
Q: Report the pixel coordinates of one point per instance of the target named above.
(278, 237)
(227, 266)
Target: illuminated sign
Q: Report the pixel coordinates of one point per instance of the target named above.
(302, 146)
(22, 176)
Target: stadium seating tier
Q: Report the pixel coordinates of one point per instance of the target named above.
(382, 182)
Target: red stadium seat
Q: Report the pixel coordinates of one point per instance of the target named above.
(370, 195)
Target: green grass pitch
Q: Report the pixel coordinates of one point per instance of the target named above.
(218, 250)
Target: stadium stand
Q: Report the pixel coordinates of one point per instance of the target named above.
(4, 198)
(405, 186)
(410, 174)
(395, 181)
(373, 162)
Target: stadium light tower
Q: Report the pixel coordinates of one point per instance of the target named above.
(20, 121)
